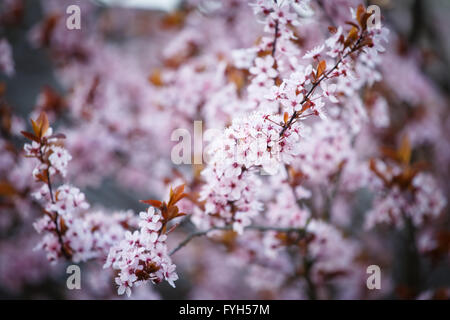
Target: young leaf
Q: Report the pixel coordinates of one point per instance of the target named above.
(404, 152)
(332, 29)
(30, 136)
(352, 36)
(352, 24)
(153, 203)
(43, 124)
(360, 13)
(35, 127)
(364, 19)
(179, 189)
(286, 117)
(172, 213)
(6, 189)
(176, 195)
(306, 106)
(63, 225)
(321, 68)
(156, 78)
(42, 177)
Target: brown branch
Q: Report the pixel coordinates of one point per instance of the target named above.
(300, 231)
(314, 86)
(274, 47)
(41, 158)
(311, 287)
(56, 215)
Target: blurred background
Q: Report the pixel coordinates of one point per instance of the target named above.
(422, 25)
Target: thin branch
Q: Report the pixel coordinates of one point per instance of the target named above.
(49, 184)
(274, 47)
(300, 231)
(311, 287)
(191, 237)
(325, 75)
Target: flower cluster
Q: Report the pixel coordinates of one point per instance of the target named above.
(326, 150)
(79, 236)
(404, 193)
(265, 139)
(142, 256)
(248, 147)
(333, 255)
(67, 232)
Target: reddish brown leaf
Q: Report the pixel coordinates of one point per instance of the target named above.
(6, 189)
(404, 152)
(360, 13)
(178, 198)
(174, 19)
(321, 68)
(180, 214)
(43, 124)
(179, 189)
(352, 24)
(306, 106)
(153, 203)
(35, 127)
(332, 29)
(172, 213)
(156, 78)
(352, 36)
(176, 195)
(389, 153)
(30, 136)
(63, 226)
(364, 18)
(42, 177)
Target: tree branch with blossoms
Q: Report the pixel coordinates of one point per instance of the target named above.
(359, 41)
(78, 235)
(52, 159)
(287, 121)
